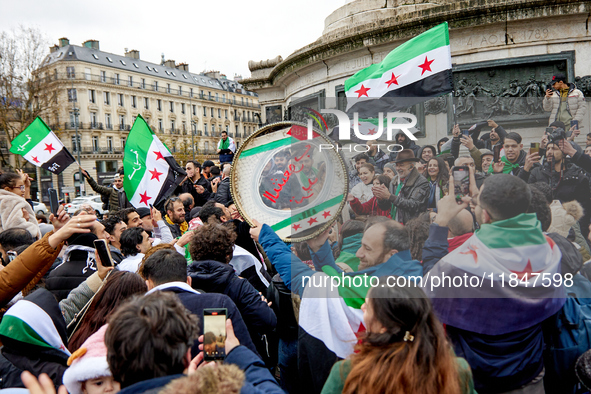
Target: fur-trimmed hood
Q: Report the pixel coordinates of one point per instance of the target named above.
(223, 378)
(564, 216)
(11, 214)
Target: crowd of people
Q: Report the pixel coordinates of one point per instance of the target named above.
(136, 324)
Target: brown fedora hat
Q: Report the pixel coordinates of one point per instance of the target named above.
(405, 155)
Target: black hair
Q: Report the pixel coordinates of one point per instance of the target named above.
(130, 238)
(208, 210)
(187, 202)
(513, 136)
(41, 217)
(362, 156)
(169, 204)
(224, 132)
(110, 223)
(505, 196)
(540, 207)
(195, 163)
(215, 171)
(8, 179)
(545, 189)
(123, 214)
(283, 153)
(164, 266)
(444, 139)
(15, 237)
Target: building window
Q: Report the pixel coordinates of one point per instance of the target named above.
(206, 146)
(242, 98)
(217, 98)
(70, 72)
(91, 96)
(74, 145)
(120, 99)
(219, 113)
(160, 124)
(182, 108)
(110, 144)
(172, 126)
(171, 106)
(103, 76)
(194, 110)
(121, 120)
(212, 129)
(205, 128)
(184, 126)
(201, 94)
(227, 129)
(123, 143)
(107, 97)
(159, 105)
(95, 143)
(133, 102)
(223, 98)
(146, 103)
(108, 121)
(87, 74)
(117, 81)
(130, 81)
(236, 130)
(191, 92)
(143, 83)
(93, 122)
(156, 86)
(204, 111)
(167, 88)
(72, 95)
(226, 113)
(212, 112)
(180, 90)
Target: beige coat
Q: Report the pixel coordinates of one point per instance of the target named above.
(576, 105)
(11, 214)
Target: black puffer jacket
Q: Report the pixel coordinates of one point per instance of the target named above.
(571, 184)
(223, 195)
(412, 200)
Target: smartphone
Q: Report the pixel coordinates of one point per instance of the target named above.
(53, 201)
(574, 123)
(214, 333)
(466, 133)
(461, 176)
(496, 153)
(534, 147)
(102, 249)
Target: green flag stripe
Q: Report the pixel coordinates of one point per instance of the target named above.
(353, 293)
(521, 230)
(266, 147)
(30, 137)
(139, 140)
(17, 329)
(306, 214)
(429, 40)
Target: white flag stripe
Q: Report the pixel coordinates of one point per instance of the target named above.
(406, 74)
(299, 226)
(44, 150)
(150, 187)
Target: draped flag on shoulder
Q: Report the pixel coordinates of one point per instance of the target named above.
(151, 173)
(41, 147)
(410, 74)
(503, 279)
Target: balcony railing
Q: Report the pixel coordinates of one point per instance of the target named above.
(95, 125)
(124, 127)
(109, 126)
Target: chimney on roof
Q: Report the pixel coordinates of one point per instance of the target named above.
(54, 48)
(183, 67)
(92, 44)
(170, 63)
(64, 42)
(212, 74)
(237, 77)
(133, 54)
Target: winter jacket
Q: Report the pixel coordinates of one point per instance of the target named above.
(38, 349)
(340, 371)
(379, 160)
(362, 192)
(77, 265)
(195, 301)
(282, 304)
(11, 214)
(368, 208)
(215, 277)
(150, 386)
(188, 186)
(575, 104)
(80, 297)
(412, 199)
(31, 264)
(487, 143)
(116, 254)
(223, 195)
(117, 199)
(407, 144)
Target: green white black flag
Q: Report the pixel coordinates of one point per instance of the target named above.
(41, 147)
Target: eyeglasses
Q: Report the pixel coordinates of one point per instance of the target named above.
(22, 187)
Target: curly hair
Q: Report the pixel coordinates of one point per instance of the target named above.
(212, 242)
(150, 252)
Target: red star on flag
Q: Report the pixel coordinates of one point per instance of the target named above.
(362, 91)
(394, 80)
(49, 147)
(312, 220)
(159, 155)
(35, 159)
(155, 174)
(527, 271)
(472, 250)
(427, 65)
(326, 214)
(371, 131)
(144, 198)
(296, 227)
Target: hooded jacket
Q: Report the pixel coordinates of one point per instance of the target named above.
(77, 265)
(11, 215)
(369, 208)
(575, 104)
(117, 198)
(407, 144)
(412, 199)
(33, 333)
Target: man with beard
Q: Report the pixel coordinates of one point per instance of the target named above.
(175, 216)
(195, 183)
(407, 143)
(116, 195)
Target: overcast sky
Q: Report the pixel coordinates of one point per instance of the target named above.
(219, 35)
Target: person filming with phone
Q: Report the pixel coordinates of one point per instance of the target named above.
(564, 101)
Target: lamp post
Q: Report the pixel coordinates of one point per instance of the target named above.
(193, 127)
(76, 112)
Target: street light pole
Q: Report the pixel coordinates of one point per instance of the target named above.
(192, 125)
(76, 113)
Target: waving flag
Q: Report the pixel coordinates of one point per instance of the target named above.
(151, 173)
(512, 248)
(412, 73)
(41, 147)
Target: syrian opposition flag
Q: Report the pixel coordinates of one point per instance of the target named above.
(412, 73)
(151, 173)
(41, 147)
(502, 279)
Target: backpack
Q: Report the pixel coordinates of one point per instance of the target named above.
(567, 336)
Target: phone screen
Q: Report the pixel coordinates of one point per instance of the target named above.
(214, 333)
(103, 252)
(496, 153)
(534, 148)
(574, 123)
(461, 181)
(466, 133)
(53, 201)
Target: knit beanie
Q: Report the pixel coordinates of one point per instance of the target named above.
(88, 362)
